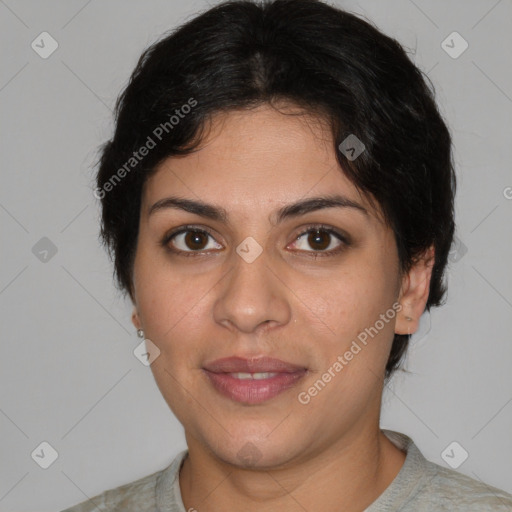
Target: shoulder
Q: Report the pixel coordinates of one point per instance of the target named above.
(145, 494)
(138, 495)
(446, 489)
(423, 486)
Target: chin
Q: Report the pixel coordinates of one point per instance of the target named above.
(250, 452)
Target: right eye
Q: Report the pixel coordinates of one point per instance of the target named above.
(190, 240)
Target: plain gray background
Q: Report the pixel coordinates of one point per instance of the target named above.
(68, 373)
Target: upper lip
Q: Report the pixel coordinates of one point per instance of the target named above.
(252, 365)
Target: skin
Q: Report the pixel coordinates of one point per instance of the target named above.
(291, 303)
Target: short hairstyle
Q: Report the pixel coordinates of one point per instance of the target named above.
(331, 63)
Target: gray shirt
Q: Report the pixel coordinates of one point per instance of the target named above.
(420, 486)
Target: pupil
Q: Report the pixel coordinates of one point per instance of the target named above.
(315, 239)
(195, 239)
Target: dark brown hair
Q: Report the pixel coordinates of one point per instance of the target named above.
(240, 54)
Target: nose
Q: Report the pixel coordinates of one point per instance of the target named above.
(253, 297)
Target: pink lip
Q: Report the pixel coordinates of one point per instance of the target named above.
(252, 391)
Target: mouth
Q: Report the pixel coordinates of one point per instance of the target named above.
(252, 381)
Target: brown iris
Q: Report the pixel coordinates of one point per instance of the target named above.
(319, 239)
(196, 240)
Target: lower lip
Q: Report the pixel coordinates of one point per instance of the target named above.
(253, 391)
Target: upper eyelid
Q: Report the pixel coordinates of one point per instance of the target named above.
(323, 227)
(184, 229)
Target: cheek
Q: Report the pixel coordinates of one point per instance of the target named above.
(170, 300)
(348, 301)
(352, 354)
(176, 311)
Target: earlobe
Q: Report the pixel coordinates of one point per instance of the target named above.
(406, 324)
(414, 294)
(136, 319)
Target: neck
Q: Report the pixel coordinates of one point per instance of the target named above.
(349, 475)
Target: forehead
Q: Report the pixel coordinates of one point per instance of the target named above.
(256, 158)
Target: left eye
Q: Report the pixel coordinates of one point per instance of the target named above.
(320, 240)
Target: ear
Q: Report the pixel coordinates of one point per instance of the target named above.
(414, 293)
(135, 319)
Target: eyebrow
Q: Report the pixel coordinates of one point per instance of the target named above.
(292, 210)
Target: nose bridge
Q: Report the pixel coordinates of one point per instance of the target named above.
(252, 294)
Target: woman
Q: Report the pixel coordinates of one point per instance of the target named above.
(278, 202)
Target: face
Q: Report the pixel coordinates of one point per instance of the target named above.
(251, 276)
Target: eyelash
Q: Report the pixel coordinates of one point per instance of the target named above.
(345, 242)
